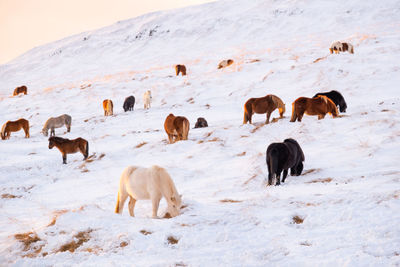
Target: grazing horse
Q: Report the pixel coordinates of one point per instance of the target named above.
(225, 63)
(282, 156)
(200, 123)
(57, 122)
(147, 99)
(129, 103)
(14, 126)
(341, 47)
(108, 107)
(147, 183)
(337, 98)
(320, 105)
(176, 128)
(67, 146)
(180, 69)
(21, 89)
(261, 105)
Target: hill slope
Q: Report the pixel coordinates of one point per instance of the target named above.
(348, 195)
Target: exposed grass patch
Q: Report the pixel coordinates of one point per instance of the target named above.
(297, 219)
(57, 214)
(310, 171)
(172, 240)
(145, 232)
(306, 243)
(78, 240)
(241, 154)
(322, 180)
(140, 144)
(27, 239)
(123, 244)
(226, 200)
(6, 195)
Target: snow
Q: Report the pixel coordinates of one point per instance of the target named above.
(348, 195)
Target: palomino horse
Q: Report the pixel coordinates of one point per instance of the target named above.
(147, 183)
(176, 128)
(57, 122)
(282, 156)
(341, 47)
(225, 63)
(20, 90)
(129, 103)
(147, 99)
(261, 105)
(67, 146)
(180, 69)
(108, 107)
(320, 105)
(14, 126)
(337, 98)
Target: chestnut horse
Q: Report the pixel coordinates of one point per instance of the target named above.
(225, 63)
(108, 107)
(21, 89)
(261, 105)
(176, 128)
(147, 183)
(14, 126)
(320, 105)
(180, 69)
(67, 146)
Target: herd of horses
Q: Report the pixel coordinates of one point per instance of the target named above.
(155, 182)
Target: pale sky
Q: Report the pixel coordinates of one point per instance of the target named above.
(25, 24)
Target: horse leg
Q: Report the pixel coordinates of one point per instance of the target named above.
(52, 132)
(64, 157)
(155, 201)
(171, 138)
(68, 128)
(300, 116)
(131, 206)
(320, 117)
(268, 115)
(122, 196)
(285, 172)
(278, 179)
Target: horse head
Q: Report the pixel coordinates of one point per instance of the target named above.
(175, 205)
(51, 142)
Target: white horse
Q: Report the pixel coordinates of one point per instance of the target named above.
(341, 47)
(57, 122)
(147, 183)
(147, 99)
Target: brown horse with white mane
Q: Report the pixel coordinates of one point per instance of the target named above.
(177, 128)
(67, 146)
(261, 105)
(320, 105)
(14, 126)
(108, 107)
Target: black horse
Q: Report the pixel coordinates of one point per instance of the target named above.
(201, 122)
(337, 98)
(129, 103)
(282, 156)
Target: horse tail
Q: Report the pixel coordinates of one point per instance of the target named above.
(273, 165)
(87, 149)
(117, 210)
(185, 129)
(122, 194)
(3, 130)
(351, 49)
(248, 111)
(294, 116)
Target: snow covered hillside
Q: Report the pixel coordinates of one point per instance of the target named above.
(343, 210)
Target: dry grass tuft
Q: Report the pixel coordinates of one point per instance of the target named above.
(241, 154)
(215, 139)
(6, 195)
(144, 232)
(256, 128)
(319, 59)
(172, 240)
(305, 243)
(322, 180)
(180, 264)
(57, 214)
(28, 240)
(78, 240)
(310, 171)
(297, 219)
(190, 100)
(123, 244)
(226, 200)
(140, 144)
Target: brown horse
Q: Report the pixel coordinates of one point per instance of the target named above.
(180, 69)
(320, 105)
(14, 126)
(21, 89)
(67, 146)
(176, 127)
(108, 107)
(261, 105)
(225, 63)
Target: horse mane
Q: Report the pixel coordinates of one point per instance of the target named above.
(332, 107)
(58, 140)
(325, 98)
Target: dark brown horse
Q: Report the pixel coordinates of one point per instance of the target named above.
(14, 126)
(20, 90)
(180, 69)
(320, 105)
(176, 127)
(261, 105)
(67, 146)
